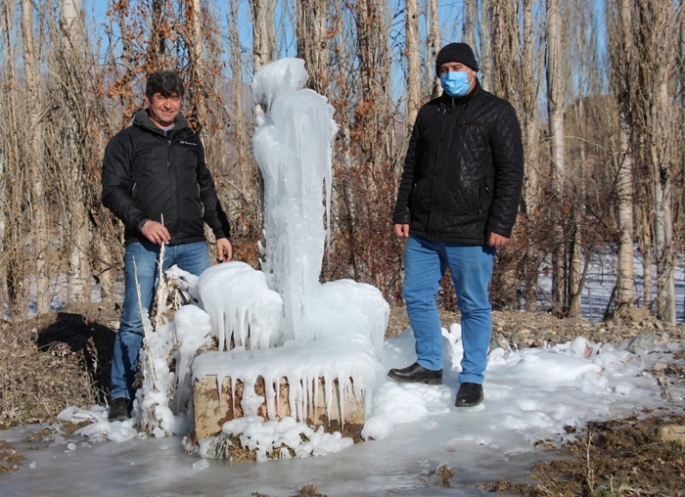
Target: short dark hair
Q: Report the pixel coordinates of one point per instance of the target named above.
(164, 82)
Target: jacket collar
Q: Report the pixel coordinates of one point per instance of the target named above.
(142, 120)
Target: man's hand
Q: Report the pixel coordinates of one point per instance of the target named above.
(495, 240)
(155, 232)
(402, 230)
(224, 249)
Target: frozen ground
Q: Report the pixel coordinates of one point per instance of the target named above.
(531, 394)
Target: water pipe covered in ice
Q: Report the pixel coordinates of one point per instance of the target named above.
(281, 322)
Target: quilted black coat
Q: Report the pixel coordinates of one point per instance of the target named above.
(463, 171)
(149, 173)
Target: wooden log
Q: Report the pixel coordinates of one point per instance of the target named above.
(210, 413)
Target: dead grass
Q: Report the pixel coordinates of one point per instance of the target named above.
(613, 458)
(50, 363)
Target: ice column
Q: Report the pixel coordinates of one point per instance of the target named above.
(292, 147)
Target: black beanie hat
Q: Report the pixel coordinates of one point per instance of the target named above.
(456, 52)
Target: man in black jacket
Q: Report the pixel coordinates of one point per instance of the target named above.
(457, 202)
(154, 178)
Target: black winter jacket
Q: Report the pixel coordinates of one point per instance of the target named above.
(463, 170)
(149, 173)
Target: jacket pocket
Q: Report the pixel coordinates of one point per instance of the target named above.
(485, 192)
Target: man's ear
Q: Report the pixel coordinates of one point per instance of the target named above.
(147, 100)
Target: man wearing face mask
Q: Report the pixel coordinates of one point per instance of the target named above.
(457, 203)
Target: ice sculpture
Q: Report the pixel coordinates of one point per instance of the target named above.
(281, 322)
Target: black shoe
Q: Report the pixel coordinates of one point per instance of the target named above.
(120, 409)
(469, 395)
(417, 373)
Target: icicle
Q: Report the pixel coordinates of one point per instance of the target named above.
(328, 383)
(310, 400)
(342, 383)
(233, 384)
(220, 382)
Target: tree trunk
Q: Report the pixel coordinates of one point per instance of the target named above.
(35, 151)
(262, 33)
(663, 129)
(197, 73)
(529, 115)
(413, 68)
(555, 107)
(469, 26)
(485, 54)
(621, 47)
(434, 45)
(644, 239)
(156, 46)
(312, 42)
(575, 289)
(69, 63)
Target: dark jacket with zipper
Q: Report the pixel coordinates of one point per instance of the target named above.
(463, 170)
(149, 173)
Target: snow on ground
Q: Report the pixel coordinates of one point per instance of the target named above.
(530, 394)
(600, 281)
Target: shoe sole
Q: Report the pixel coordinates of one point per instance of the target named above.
(436, 381)
(467, 404)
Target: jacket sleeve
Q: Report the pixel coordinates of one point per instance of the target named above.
(402, 214)
(507, 152)
(117, 182)
(214, 215)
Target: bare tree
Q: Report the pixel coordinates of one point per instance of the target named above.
(434, 44)
(312, 42)
(620, 20)
(412, 54)
(469, 26)
(196, 70)
(262, 33)
(555, 106)
(71, 62)
(40, 239)
(157, 46)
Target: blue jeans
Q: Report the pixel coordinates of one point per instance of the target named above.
(191, 257)
(471, 268)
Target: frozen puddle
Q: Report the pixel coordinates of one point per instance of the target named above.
(531, 395)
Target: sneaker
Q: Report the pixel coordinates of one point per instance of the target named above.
(120, 409)
(417, 373)
(469, 395)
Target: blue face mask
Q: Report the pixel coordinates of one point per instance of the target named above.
(455, 83)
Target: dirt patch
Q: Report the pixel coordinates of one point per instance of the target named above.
(306, 491)
(612, 458)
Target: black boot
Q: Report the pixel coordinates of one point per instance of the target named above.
(417, 373)
(120, 409)
(469, 395)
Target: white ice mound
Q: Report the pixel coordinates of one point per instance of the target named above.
(240, 305)
(560, 369)
(345, 307)
(282, 75)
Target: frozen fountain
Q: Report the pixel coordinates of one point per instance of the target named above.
(292, 352)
